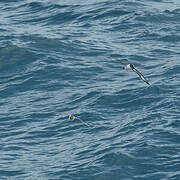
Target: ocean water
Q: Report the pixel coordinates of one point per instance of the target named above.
(62, 57)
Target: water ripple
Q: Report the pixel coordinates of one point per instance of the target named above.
(56, 60)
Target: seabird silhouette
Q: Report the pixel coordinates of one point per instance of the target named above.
(131, 66)
(72, 117)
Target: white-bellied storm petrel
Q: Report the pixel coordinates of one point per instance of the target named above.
(72, 117)
(131, 66)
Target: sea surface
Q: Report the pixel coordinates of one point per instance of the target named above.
(61, 58)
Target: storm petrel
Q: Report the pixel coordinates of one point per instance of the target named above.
(131, 66)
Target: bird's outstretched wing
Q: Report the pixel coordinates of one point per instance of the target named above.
(140, 75)
(122, 61)
(85, 123)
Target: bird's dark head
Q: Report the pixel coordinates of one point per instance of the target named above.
(131, 66)
(71, 117)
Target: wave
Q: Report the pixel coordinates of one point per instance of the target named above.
(55, 60)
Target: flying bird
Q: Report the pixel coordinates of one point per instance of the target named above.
(72, 117)
(131, 66)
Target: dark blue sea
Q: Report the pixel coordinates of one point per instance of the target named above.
(61, 58)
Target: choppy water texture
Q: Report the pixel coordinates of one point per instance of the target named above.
(57, 58)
